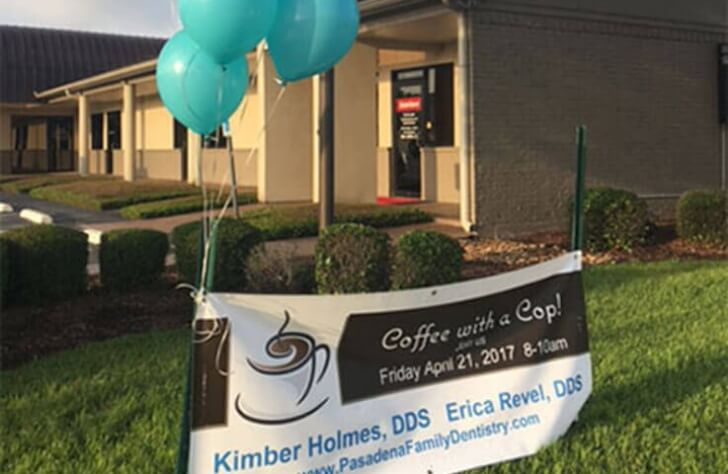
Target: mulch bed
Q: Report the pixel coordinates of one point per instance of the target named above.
(101, 315)
(490, 257)
(96, 316)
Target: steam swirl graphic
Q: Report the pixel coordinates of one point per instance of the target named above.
(296, 350)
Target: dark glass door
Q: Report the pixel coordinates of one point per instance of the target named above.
(113, 138)
(180, 143)
(60, 144)
(408, 106)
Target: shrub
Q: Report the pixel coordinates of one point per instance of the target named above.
(614, 220)
(702, 216)
(173, 207)
(352, 258)
(424, 258)
(132, 258)
(302, 221)
(235, 240)
(4, 272)
(279, 272)
(45, 264)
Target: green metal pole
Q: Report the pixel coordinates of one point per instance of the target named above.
(577, 220)
(183, 453)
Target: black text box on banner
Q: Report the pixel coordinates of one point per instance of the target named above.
(386, 352)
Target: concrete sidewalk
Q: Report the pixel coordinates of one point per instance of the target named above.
(62, 214)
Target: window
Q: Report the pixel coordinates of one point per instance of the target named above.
(113, 120)
(440, 114)
(180, 135)
(20, 135)
(216, 139)
(97, 131)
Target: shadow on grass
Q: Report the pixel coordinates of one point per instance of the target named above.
(661, 389)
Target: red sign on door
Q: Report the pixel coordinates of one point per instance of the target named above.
(408, 104)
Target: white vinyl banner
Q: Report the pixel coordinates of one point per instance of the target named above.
(436, 380)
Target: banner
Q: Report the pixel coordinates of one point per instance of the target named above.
(436, 380)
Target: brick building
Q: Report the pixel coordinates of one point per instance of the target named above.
(468, 103)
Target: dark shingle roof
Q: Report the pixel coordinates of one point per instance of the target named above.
(37, 59)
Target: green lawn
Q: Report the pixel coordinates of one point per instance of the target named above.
(659, 336)
(180, 205)
(98, 194)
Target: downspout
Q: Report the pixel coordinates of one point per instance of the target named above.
(463, 67)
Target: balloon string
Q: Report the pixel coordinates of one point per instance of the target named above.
(228, 202)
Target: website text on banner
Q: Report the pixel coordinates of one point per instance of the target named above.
(436, 380)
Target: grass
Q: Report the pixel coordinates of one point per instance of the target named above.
(17, 185)
(176, 206)
(658, 338)
(286, 222)
(105, 194)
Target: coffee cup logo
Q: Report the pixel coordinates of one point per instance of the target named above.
(302, 364)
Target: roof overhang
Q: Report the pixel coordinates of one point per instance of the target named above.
(375, 15)
(139, 72)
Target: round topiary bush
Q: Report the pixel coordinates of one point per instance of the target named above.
(702, 216)
(235, 241)
(352, 258)
(132, 258)
(614, 220)
(45, 264)
(424, 258)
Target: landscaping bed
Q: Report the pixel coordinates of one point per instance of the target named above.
(296, 221)
(657, 336)
(110, 193)
(31, 332)
(177, 206)
(488, 257)
(26, 184)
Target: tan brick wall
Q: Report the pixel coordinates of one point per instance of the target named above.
(648, 95)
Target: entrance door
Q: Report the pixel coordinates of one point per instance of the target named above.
(113, 138)
(180, 143)
(408, 105)
(60, 144)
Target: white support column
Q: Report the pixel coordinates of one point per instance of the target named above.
(194, 155)
(128, 132)
(463, 107)
(83, 135)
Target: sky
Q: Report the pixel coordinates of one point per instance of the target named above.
(132, 17)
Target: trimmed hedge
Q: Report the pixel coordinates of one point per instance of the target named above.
(702, 216)
(352, 258)
(424, 258)
(235, 241)
(302, 221)
(614, 220)
(4, 271)
(132, 258)
(173, 207)
(45, 264)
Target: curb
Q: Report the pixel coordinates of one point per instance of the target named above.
(5, 208)
(36, 217)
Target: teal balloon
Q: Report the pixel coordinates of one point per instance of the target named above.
(309, 37)
(227, 29)
(200, 93)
